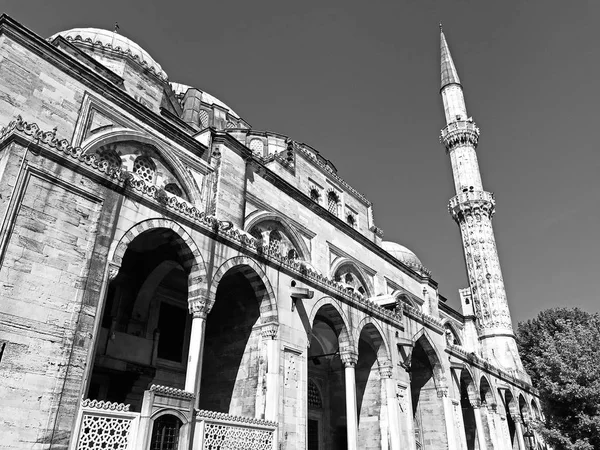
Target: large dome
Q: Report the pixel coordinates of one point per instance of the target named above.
(113, 41)
(401, 253)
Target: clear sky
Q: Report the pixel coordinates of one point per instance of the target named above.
(359, 81)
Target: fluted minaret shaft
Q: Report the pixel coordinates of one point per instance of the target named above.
(472, 208)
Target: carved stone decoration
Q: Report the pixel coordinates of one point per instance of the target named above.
(198, 307)
(113, 271)
(386, 369)
(349, 357)
(269, 331)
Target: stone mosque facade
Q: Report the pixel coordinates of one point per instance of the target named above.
(172, 278)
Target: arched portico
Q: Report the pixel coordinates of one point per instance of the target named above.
(240, 351)
(145, 328)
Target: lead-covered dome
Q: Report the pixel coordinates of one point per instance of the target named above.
(115, 42)
(401, 253)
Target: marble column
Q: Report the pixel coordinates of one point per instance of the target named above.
(385, 373)
(476, 405)
(269, 334)
(519, 430)
(350, 358)
(442, 393)
(197, 308)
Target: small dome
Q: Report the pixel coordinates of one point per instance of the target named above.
(113, 41)
(401, 253)
(181, 89)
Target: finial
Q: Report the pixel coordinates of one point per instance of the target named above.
(441, 27)
(116, 27)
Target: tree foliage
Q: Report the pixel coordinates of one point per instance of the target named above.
(560, 349)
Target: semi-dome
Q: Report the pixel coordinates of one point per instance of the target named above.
(401, 253)
(115, 42)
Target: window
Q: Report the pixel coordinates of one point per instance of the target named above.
(332, 202)
(292, 254)
(172, 188)
(257, 146)
(145, 168)
(165, 433)
(314, 396)
(314, 195)
(109, 155)
(351, 220)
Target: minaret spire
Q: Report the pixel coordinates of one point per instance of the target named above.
(449, 73)
(473, 208)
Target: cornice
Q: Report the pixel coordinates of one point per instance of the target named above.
(126, 183)
(91, 79)
(473, 359)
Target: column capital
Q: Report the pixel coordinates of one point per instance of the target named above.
(492, 407)
(349, 357)
(442, 391)
(386, 369)
(475, 403)
(198, 307)
(517, 418)
(269, 330)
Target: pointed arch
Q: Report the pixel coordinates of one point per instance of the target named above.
(341, 261)
(486, 392)
(257, 278)
(467, 378)
(434, 357)
(377, 339)
(120, 134)
(187, 250)
(257, 217)
(338, 318)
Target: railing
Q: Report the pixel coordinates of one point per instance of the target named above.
(105, 425)
(219, 431)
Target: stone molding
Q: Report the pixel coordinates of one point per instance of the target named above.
(48, 141)
(106, 406)
(172, 392)
(222, 417)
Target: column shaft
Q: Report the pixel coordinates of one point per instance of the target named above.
(519, 430)
(194, 366)
(272, 401)
(479, 427)
(351, 408)
(392, 406)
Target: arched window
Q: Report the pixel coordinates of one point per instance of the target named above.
(165, 433)
(332, 202)
(145, 168)
(315, 196)
(351, 220)
(292, 254)
(172, 188)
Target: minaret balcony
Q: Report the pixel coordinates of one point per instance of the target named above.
(461, 132)
(470, 202)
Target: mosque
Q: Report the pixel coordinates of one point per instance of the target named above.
(172, 278)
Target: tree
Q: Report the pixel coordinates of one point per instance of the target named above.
(561, 351)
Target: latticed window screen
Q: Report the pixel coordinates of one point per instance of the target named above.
(203, 118)
(332, 202)
(219, 436)
(172, 188)
(257, 146)
(145, 168)
(314, 396)
(98, 432)
(109, 155)
(165, 434)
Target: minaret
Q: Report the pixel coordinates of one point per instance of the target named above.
(472, 208)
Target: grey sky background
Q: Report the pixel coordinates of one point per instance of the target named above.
(359, 81)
